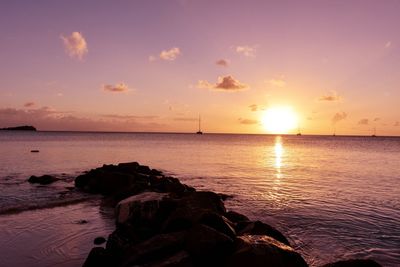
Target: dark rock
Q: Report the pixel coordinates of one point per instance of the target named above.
(354, 263)
(128, 167)
(179, 259)
(43, 180)
(155, 172)
(261, 251)
(225, 196)
(82, 222)
(142, 208)
(236, 217)
(34, 151)
(20, 128)
(206, 245)
(98, 257)
(260, 228)
(219, 223)
(156, 248)
(143, 169)
(99, 240)
(191, 207)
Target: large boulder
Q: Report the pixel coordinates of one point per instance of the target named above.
(207, 246)
(43, 180)
(179, 259)
(218, 222)
(98, 257)
(263, 251)
(142, 208)
(260, 228)
(354, 263)
(191, 207)
(236, 217)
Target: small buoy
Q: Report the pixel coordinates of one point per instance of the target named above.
(35, 151)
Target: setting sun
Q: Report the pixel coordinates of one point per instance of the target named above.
(279, 120)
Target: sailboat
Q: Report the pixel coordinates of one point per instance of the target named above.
(298, 132)
(199, 131)
(374, 134)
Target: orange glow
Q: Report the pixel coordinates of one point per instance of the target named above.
(279, 120)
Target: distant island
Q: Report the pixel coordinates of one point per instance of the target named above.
(20, 128)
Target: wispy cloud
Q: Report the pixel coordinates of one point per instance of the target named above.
(331, 97)
(397, 123)
(75, 45)
(377, 119)
(339, 117)
(222, 62)
(117, 88)
(363, 122)
(277, 82)
(29, 104)
(171, 54)
(388, 44)
(255, 107)
(248, 51)
(224, 83)
(247, 121)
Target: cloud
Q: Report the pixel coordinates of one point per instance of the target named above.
(170, 55)
(388, 44)
(152, 58)
(377, 119)
(339, 117)
(29, 104)
(224, 83)
(222, 62)
(277, 82)
(117, 88)
(397, 123)
(247, 121)
(363, 122)
(128, 117)
(246, 50)
(75, 45)
(332, 97)
(255, 107)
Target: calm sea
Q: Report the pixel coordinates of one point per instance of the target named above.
(334, 197)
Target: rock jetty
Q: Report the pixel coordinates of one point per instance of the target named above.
(19, 128)
(162, 222)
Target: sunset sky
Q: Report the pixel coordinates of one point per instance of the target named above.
(157, 65)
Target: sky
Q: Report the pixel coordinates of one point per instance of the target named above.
(156, 65)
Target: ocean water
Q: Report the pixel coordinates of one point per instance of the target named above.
(333, 197)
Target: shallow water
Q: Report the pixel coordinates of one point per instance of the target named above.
(334, 197)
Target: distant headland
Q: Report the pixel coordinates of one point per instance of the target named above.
(20, 128)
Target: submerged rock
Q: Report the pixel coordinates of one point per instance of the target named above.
(43, 180)
(354, 263)
(260, 228)
(261, 251)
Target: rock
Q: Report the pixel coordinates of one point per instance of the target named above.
(99, 240)
(219, 223)
(260, 228)
(236, 217)
(141, 208)
(43, 180)
(156, 248)
(207, 246)
(98, 257)
(191, 207)
(34, 151)
(179, 259)
(128, 167)
(354, 263)
(82, 222)
(143, 169)
(261, 251)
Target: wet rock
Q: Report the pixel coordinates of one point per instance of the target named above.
(261, 251)
(236, 217)
(34, 151)
(354, 263)
(98, 257)
(179, 259)
(43, 180)
(82, 222)
(142, 208)
(156, 248)
(218, 222)
(260, 228)
(99, 240)
(207, 246)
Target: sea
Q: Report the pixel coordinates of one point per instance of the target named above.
(334, 197)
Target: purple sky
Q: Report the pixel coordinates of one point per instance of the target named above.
(151, 65)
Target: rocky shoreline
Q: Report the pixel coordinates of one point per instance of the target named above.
(162, 222)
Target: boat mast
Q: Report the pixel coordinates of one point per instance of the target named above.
(199, 123)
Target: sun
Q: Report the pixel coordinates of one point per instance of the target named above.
(279, 120)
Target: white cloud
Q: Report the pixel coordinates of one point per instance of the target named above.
(246, 50)
(75, 45)
(170, 55)
(224, 83)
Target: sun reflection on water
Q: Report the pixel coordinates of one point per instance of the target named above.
(278, 148)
